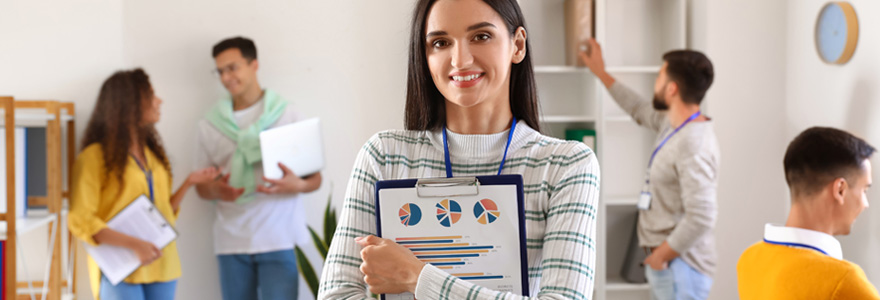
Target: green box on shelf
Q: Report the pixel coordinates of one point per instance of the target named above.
(587, 136)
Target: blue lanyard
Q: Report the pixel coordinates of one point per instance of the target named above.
(503, 158)
(147, 173)
(694, 116)
(795, 245)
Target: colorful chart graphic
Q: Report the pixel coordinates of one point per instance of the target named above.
(448, 253)
(448, 212)
(486, 211)
(410, 214)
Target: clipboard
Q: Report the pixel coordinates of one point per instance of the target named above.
(449, 223)
(117, 263)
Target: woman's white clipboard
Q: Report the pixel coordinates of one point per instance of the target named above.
(470, 227)
(142, 220)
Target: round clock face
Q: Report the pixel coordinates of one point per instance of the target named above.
(836, 32)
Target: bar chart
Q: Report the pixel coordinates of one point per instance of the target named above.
(449, 253)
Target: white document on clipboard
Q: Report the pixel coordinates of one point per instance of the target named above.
(140, 219)
(473, 237)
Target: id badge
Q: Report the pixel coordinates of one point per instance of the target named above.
(645, 196)
(644, 201)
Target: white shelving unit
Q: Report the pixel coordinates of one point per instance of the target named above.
(634, 34)
(32, 221)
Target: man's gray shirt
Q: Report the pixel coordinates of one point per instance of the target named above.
(683, 184)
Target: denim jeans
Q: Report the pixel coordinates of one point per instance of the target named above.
(128, 291)
(679, 281)
(265, 276)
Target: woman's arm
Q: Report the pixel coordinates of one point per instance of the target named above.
(146, 251)
(205, 175)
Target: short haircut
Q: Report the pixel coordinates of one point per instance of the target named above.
(243, 44)
(820, 155)
(692, 71)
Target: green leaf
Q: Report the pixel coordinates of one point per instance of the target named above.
(305, 268)
(329, 222)
(319, 244)
(327, 212)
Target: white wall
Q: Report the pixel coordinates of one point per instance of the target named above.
(58, 50)
(744, 40)
(841, 96)
(338, 60)
(343, 61)
(770, 85)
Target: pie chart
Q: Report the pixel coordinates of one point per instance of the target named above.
(448, 212)
(486, 211)
(410, 214)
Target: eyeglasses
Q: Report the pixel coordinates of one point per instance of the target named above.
(230, 68)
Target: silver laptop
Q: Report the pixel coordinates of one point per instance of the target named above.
(298, 146)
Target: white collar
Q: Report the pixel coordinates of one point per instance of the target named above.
(803, 238)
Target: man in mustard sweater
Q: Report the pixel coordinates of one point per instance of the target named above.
(828, 173)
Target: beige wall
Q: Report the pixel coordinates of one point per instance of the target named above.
(745, 41)
(842, 96)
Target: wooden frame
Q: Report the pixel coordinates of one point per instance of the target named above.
(9, 268)
(54, 191)
(70, 110)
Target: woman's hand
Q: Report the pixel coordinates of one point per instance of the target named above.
(205, 175)
(145, 251)
(388, 267)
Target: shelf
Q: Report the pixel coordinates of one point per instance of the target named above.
(561, 69)
(622, 200)
(38, 291)
(635, 69)
(618, 119)
(638, 32)
(36, 119)
(36, 218)
(568, 119)
(583, 70)
(618, 284)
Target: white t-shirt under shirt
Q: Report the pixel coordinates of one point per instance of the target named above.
(269, 222)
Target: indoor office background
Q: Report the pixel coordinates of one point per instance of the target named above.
(345, 62)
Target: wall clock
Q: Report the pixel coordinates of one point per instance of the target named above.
(837, 32)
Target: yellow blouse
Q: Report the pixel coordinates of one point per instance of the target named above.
(93, 202)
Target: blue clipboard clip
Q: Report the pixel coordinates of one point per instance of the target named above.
(447, 187)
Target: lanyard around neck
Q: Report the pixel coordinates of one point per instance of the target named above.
(503, 158)
(798, 245)
(691, 118)
(147, 173)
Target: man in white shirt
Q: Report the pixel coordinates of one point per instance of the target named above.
(259, 220)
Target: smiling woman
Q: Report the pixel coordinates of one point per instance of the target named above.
(462, 63)
(470, 78)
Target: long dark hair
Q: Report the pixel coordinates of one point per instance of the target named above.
(118, 114)
(426, 107)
